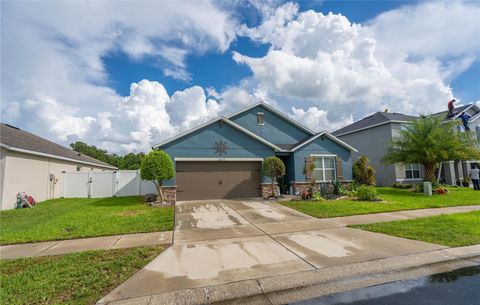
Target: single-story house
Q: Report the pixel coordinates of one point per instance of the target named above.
(223, 157)
(34, 165)
(372, 134)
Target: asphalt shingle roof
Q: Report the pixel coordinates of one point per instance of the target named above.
(286, 146)
(456, 110)
(374, 119)
(17, 138)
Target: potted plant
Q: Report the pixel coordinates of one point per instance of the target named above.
(466, 182)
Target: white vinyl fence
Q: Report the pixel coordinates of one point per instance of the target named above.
(105, 184)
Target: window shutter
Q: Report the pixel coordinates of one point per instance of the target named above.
(308, 168)
(339, 169)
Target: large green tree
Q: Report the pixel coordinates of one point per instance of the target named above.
(157, 167)
(129, 161)
(273, 168)
(429, 141)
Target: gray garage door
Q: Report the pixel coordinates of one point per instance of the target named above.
(217, 179)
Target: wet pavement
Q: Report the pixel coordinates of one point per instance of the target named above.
(459, 287)
(221, 241)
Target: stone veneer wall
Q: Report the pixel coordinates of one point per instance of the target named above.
(170, 194)
(300, 187)
(267, 190)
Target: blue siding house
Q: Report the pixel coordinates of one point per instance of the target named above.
(222, 158)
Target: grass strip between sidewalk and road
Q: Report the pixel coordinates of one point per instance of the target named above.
(79, 278)
(454, 230)
(393, 200)
(70, 218)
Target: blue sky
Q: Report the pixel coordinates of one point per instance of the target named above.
(126, 75)
(219, 70)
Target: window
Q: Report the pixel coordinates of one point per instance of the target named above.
(260, 119)
(79, 168)
(324, 168)
(478, 132)
(412, 171)
(404, 127)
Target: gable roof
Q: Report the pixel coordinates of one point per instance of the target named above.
(380, 118)
(223, 119)
(275, 111)
(15, 139)
(326, 134)
(376, 119)
(276, 147)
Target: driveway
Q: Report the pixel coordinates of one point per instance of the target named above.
(223, 241)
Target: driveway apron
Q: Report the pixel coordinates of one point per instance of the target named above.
(223, 241)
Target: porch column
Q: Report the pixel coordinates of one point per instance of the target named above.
(449, 170)
(459, 170)
(466, 168)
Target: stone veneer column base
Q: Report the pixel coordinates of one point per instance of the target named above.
(267, 190)
(170, 194)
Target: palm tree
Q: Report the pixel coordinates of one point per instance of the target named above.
(430, 141)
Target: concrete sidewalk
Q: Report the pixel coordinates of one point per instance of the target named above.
(221, 242)
(84, 244)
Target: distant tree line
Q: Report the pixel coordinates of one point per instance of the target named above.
(128, 161)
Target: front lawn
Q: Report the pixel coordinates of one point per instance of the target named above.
(82, 217)
(453, 230)
(80, 278)
(394, 200)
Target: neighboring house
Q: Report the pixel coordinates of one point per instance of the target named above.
(372, 134)
(223, 157)
(34, 165)
(453, 172)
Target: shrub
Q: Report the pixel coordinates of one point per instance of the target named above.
(367, 193)
(306, 194)
(317, 196)
(363, 171)
(157, 166)
(273, 168)
(419, 187)
(338, 188)
(403, 186)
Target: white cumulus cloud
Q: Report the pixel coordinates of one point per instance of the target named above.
(331, 70)
(320, 69)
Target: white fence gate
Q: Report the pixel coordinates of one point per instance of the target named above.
(105, 184)
(76, 185)
(102, 184)
(128, 182)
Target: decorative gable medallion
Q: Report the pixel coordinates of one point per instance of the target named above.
(220, 148)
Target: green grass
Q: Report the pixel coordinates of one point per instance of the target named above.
(394, 200)
(453, 230)
(80, 278)
(82, 217)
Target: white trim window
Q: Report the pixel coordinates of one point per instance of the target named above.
(412, 171)
(324, 168)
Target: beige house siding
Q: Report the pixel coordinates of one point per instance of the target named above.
(3, 159)
(23, 172)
